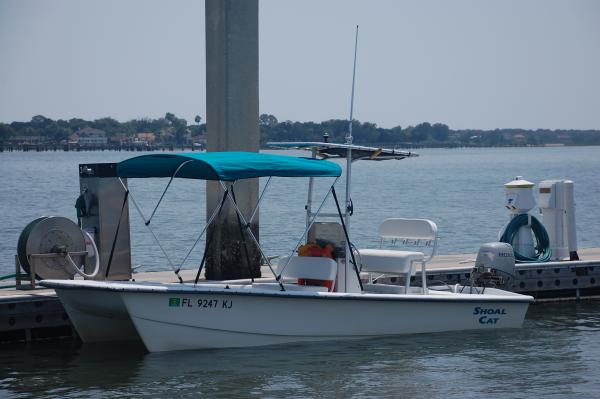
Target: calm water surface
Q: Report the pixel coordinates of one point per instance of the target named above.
(461, 190)
(555, 354)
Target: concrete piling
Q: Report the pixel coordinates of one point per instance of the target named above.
(232, 125)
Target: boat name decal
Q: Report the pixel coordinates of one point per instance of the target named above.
(486, 312)
(200, 303)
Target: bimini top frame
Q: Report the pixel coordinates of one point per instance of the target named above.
(226, 167)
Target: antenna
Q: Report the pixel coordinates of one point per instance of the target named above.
(349, 208)
(349, 135)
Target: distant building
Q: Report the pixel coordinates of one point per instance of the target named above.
(90, 137)
(73, 140)
(200, 140)
(519, 139)
(119, 139)
(26, 140)
(147, 137)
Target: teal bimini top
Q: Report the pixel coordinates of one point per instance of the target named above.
(226, 166)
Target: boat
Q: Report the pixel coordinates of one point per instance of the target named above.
(318, 292)
(311, 298)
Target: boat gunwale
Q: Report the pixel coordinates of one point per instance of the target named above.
(176, 289)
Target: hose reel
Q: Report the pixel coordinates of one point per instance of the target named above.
(56, 248)
(543, 252)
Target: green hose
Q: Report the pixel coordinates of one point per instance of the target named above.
(10, 277)
(542, 249)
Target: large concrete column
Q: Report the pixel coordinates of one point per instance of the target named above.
(232, 125)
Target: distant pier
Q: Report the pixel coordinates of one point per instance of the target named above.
(77, 148)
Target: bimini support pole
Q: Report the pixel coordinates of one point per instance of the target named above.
(308, 206)
(166, 188)
(337, 204)
(216, 213)
(250, 233)
(260, 199)
(175, 270)
(308, 226)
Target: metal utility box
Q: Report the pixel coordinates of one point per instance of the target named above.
(557, 205)
(104, 210)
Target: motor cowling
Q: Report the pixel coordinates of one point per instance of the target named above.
(494, 265)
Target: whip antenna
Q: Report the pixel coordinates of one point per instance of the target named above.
(349, 136)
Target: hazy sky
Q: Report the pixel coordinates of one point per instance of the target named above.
(469, 64)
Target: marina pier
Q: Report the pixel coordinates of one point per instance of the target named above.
(37, 314)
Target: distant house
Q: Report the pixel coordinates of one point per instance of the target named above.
(119, 139)
(200, 140)
(32, 140)
(90, 137)
(519, 139)
(73, 140)
(147, 137)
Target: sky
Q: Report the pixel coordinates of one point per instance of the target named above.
(466, 63)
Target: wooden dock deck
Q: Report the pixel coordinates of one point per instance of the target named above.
(38, 314)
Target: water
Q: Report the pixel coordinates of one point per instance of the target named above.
(554, 355)
(460, 189)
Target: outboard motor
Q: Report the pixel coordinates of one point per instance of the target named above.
(494, 266)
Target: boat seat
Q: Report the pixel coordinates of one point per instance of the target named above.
(309, 270)
(416, 232)
(389, 261)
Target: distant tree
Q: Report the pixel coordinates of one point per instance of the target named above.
(175, 121)
(170, 129)
(177, 127)
(5, 132)
(365, 132)
(494, 138)
(421, 132)
(76, 123)
(55, 132)
(267, 120)
(109, 125)
(440, 132)
(40, 122)
(337, 129)
(532, 139)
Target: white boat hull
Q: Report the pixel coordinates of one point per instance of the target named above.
(97, 315)
(183, 319)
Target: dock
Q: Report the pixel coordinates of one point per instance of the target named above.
(30, 315)
(548, 281)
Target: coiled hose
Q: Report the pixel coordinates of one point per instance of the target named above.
(542, 249)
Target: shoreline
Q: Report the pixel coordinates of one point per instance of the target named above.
(184, 148)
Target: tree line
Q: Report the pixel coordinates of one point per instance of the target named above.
(168, 129)
(424, 134)
(171, 129)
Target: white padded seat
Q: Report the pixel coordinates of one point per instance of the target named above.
(413, 231)
(389, 261)
(310, 269)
